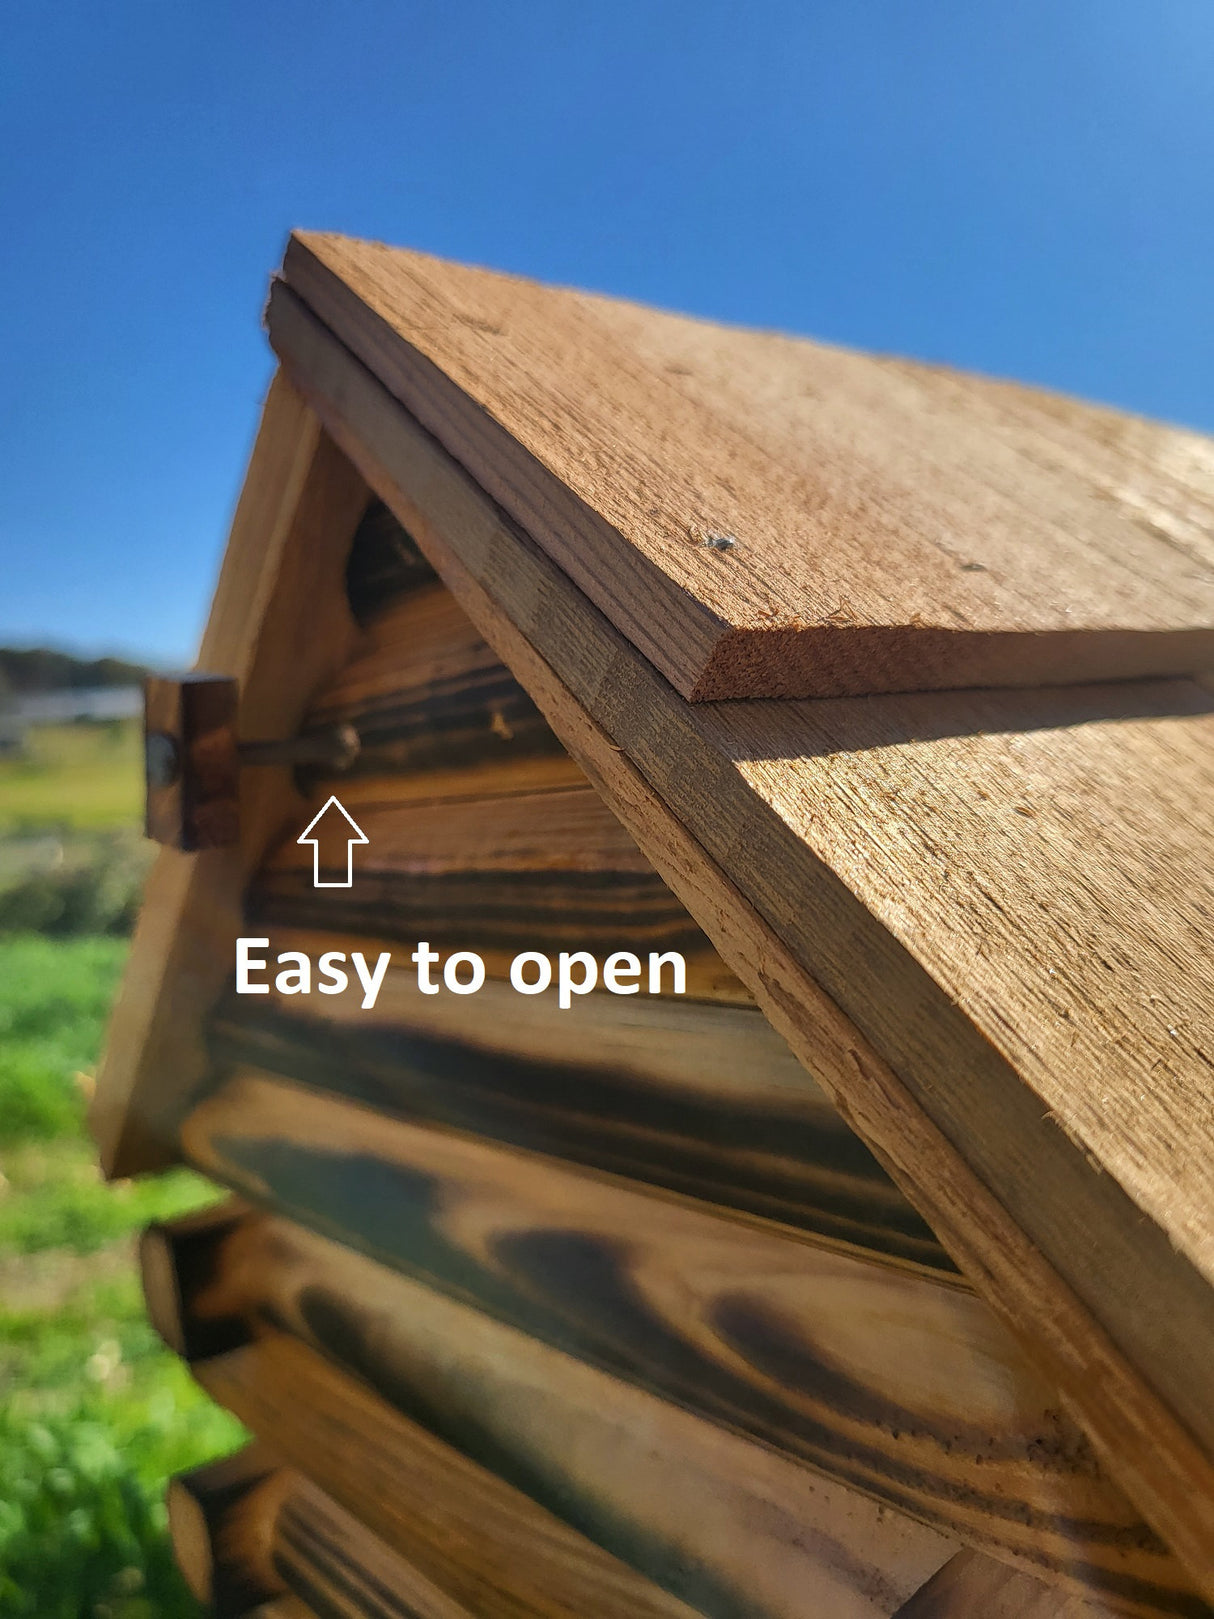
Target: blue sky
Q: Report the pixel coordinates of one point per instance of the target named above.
(1026, 190)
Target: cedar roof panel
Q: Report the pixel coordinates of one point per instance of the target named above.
(763, 515)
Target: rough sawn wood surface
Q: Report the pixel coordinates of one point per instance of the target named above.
(767, 516)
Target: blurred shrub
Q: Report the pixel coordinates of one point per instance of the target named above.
(54, 998)
(98, 1416)
(94, 1413)
(75, 1523)
(93, 888)
(36, 1103)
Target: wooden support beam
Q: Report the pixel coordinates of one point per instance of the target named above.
(281, 626)
(806, 840)
(256, 1540)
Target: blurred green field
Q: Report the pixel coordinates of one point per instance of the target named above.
(85, 777)
(94, 1413)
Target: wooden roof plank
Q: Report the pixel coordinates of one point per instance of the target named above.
(766, 516)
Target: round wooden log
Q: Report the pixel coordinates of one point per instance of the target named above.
(902, 1387)
(222, 1519)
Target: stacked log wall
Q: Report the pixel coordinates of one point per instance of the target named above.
(624, 1262)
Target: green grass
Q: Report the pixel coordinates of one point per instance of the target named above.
(54, 999)
(95, 1414)
(98, 1419)
(55, 1198)
(86, 777)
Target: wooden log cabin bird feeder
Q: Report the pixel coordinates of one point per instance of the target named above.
(863, 1266)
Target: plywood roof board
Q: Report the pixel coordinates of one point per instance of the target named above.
(766, 516)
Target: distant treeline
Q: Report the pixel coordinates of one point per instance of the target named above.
(39, 669)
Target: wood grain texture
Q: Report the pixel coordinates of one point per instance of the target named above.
(703, 1099)
(485, 1543)
(528, 858)
(193, 722)
(325, 1555)
(902, 1387)
(176, 1262)
(280, 625)
(548, 870)
(729, 1527)
(1000, 1131)
(247, 1531)
(886, 535)
(432, 704)
(521, 862)
(971, 1585)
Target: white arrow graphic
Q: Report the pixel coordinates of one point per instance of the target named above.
(354, 835)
